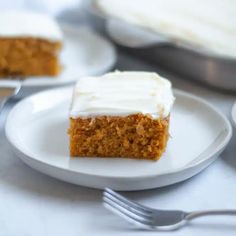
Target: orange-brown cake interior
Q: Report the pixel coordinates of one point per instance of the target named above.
(28, 57)
(135, 136)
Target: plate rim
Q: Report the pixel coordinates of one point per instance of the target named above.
(216, 151)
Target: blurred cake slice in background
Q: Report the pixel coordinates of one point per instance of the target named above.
(121, 114)
(29, 44)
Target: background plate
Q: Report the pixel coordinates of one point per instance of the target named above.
(37, 129)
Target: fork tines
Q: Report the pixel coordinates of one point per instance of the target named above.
(131, 211)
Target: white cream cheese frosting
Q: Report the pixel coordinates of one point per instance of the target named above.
(121, 94)
(28, 24)
(209, 24)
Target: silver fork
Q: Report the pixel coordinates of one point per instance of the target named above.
(153, 219)
(8, 89)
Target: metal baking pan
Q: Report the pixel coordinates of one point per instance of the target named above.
(177, 57)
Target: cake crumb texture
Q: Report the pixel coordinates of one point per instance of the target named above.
(136, 136)
(28, 57)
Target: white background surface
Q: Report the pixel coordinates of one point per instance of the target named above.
(36, 205)
(32, 204)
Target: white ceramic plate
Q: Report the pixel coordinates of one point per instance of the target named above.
(37, 129)
(84, 53)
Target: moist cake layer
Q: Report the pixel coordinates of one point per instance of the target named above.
(135, 136)
(28, 56)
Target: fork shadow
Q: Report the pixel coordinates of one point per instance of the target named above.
(226, 227)
(123, 226)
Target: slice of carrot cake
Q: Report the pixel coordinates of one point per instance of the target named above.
(120, 114)
(29, 44)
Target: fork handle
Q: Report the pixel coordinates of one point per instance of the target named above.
(196, 214)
